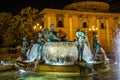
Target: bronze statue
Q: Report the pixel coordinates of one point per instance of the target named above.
(98, 48)
(24, 45)
(51, 35)
(80, 36)
(84, 51)
(96, 45)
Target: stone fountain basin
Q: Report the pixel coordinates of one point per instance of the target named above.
(60, 53)
(7, 65)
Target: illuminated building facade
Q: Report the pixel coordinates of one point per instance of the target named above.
(89, 16)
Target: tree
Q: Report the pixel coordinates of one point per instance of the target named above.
(5, 20)
(14, 28)
(28, 19)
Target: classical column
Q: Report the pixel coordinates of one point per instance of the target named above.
(70, 28)
(108, 36)
(49, 22)
(98, 31)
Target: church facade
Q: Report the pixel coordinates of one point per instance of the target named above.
(88, 16)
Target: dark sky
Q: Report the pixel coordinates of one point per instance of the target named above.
(14, 6)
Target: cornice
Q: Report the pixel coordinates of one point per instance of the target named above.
(70, 12)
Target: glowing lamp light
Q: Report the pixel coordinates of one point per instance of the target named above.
(40, 27)
(37, 27)
(93, 28)
(34, 27)
(38, 24)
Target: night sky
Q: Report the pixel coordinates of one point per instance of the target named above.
(14, 6)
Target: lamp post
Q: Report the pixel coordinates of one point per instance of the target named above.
(92, 30)
(37, 28)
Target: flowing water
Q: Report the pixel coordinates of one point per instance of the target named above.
(60, 53)
(117, 50)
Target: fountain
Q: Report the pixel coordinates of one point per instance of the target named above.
(57, 59)
(117, 50)
(116, 46)
(56, 56)
(60, 53)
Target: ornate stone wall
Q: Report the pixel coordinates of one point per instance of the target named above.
(73, 20)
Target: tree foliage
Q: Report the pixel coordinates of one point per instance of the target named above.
(14, 28)
(28, 19)
(5, 24)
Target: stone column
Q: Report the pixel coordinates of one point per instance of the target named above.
(98, 31)
(108, 34)
(49, 22)
(70, 28)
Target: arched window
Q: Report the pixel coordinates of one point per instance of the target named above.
(103, 26)
(60, 20)
(84, 24)
(60, 24)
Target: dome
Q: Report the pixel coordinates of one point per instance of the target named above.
(83, 0)
(86, 5)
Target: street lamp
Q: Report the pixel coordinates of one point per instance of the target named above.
(37, 27)
(93, 29)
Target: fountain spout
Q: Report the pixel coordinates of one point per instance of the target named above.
(104, 54)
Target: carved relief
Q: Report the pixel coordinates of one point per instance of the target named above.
(102, 22)
(60, 20)
(84, 21)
